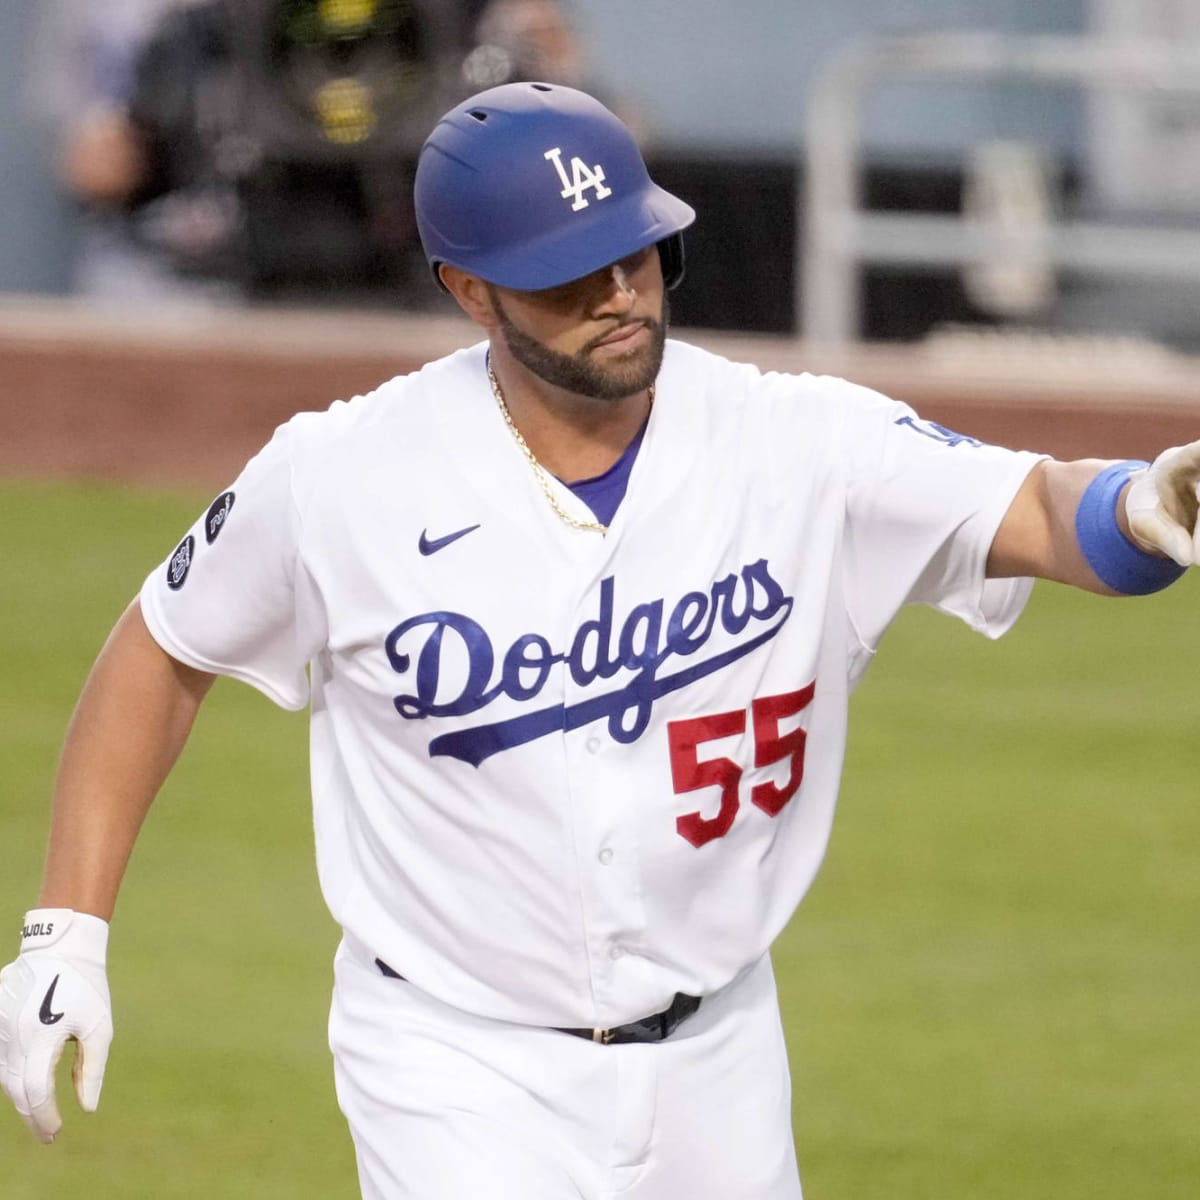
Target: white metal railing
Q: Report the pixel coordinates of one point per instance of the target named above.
(840, 236)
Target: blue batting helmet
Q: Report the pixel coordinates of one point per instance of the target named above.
(530, 185)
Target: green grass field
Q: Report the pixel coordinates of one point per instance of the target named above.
(992, 990)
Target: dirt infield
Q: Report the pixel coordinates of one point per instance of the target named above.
(183, 399)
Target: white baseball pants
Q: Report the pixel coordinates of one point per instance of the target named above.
(443, 1105)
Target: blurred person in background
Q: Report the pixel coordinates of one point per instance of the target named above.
(536, 40)
(192, 192)
(526, 39)
(81, 80)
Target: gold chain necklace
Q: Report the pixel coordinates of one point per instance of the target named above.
(539, 471)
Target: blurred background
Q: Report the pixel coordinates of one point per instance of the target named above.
(261, 151)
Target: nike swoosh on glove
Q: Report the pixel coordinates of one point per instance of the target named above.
(55, 991)
(1161, 504)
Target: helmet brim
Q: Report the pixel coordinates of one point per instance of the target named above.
(561, 255)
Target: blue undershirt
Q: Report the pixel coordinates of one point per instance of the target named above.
(604, 493)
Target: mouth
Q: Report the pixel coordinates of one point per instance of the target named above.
(624, 337)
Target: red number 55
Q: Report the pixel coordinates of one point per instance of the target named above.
(689, 772)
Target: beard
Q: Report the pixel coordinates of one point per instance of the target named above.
(578, 372)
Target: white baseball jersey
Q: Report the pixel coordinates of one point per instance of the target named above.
(560, 776)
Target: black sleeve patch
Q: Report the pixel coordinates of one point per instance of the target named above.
(181, 563)
(217, 515)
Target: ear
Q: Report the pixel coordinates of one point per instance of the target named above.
(471, 294)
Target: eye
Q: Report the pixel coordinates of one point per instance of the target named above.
(562, 292)
(637, 260)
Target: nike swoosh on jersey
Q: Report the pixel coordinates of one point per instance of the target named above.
(44, 1014)
(428, 545)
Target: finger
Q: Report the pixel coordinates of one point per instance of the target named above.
(1176, 542)
(1186, 460)
(14, 1088)
(1178, 489)
(87, 1071)
(11, 1065)
(1153, 527)
(45, 1122)
(44, 1118)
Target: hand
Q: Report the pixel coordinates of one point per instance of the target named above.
(56, 991)
(1161, 505)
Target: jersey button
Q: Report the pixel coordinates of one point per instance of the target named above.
(594, 743)
(615, 951)
(605, 856)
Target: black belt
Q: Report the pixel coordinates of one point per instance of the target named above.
(656, 1028)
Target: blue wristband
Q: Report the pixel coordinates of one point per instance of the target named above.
(1126, 568)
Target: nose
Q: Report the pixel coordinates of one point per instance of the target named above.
(622, 281)
(617, 292)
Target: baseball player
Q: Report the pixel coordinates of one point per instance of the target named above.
(576, 612)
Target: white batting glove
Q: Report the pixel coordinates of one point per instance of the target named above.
(56, 991)
(1161, 505)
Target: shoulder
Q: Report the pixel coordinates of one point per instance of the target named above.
(686, 365)
(397, 418)
(410, 399)
(772, 396)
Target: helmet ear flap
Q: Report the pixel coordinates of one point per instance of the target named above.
(670, 254)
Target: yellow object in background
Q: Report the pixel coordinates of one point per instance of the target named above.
(345, 110)
(347, 16)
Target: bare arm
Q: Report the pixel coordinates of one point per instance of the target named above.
(1037, 536)
(131, 722)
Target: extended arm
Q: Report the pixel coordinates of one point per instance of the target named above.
(1136, 523)
(132, 720)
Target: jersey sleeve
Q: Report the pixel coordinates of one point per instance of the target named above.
(924, 504)
(234, 598)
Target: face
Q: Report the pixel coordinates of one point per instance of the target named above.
(600, 336)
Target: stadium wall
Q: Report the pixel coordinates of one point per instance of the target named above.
(181, 400)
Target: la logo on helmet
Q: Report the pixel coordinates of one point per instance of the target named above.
(582, 177)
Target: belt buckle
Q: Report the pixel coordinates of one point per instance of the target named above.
(603, 1036)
